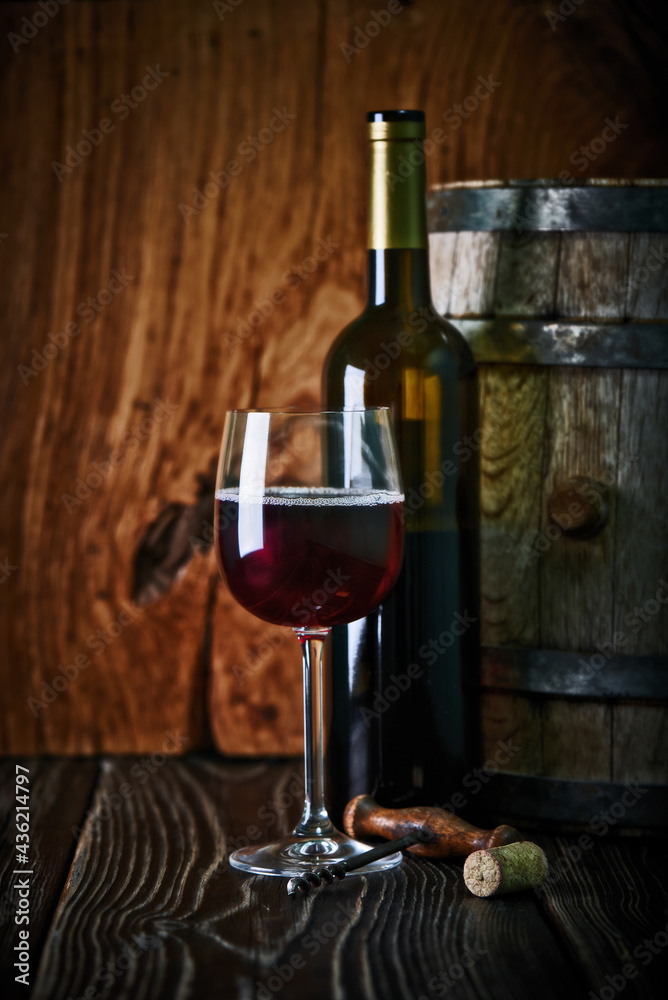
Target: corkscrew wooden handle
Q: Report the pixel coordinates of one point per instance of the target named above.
(442, 834)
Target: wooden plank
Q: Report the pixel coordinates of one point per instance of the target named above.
(472, 282)
(463, 273)
(574, 743)
(640, 743)
(577, 575)
(435, 936)
(513, 402)
(442, 248)
(162, 913)
(75, 571)
(515, 720)
(59, 792)
(255, 695)
(607, 902)
(640, 614)
(148, 899)
(641, 556)
(527, 274)
(592, 270)
(647, 286)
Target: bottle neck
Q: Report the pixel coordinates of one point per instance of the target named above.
(398, 278)
(398, 260)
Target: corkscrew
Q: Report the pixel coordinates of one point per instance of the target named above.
(426, 831)
(302, 884)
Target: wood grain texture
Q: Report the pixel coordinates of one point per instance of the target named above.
(511, 718)
(151, 901)
(640, 742)
(524, 284)
(251, 707)
(647, 286)
(592, 270)
(640, 613)
(641, 538)
(472, 282)
(577, 575)
(580, 888)
(442, 247)
(513, 403)
(59, 794)
(174, 825)
(196, 279)
(577, 583)
(576, 740)
(526, 276)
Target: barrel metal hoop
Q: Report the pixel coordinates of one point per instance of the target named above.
(536, 342)
(594, 674)
(548, 209)
(602, 805)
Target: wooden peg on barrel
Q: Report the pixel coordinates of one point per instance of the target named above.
(579, 506)
(441, 834)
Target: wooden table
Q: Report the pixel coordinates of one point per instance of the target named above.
(131, 896)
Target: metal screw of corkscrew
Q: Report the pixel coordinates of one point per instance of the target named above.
(302, 884)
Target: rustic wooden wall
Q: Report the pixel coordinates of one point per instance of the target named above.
(191, 663)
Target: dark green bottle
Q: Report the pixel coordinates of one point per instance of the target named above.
(401, 727)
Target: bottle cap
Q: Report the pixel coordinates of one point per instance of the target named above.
(398, 124)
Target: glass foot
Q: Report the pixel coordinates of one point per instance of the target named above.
(294, 855)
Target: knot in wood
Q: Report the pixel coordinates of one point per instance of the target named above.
(579, 506)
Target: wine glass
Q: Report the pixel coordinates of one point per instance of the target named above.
(309, 533)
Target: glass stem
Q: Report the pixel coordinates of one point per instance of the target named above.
(314, 822)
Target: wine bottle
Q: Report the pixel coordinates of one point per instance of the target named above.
(401, 727)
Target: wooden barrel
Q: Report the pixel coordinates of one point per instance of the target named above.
(562, 292)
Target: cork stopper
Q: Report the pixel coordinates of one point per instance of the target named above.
(501, 870)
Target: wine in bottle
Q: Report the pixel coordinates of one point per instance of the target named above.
(401, 726)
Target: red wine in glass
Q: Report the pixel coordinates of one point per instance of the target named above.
(309, 558)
